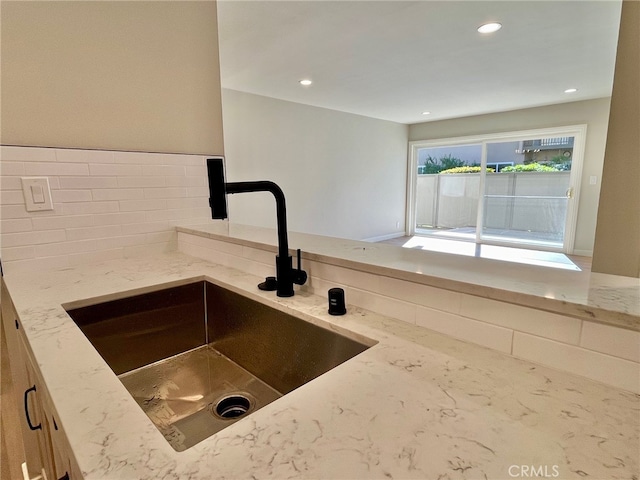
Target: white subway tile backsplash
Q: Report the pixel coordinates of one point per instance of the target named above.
(189, 159)
(27, 154)
(196, 171)
(81, 208)
(12, 197)
(17, 253)
(224, 247)
(62, 196)
(61, 222)
(10, 183)
(32, 238)
(143, 158)
(181, 216)
(64, 248)
(148, 249)
(99, 232)
(19, 211)
(346, 276)
(116, 170)
(54, 183)
(265, 257)
(166, 192)
(161, 237)
(16, 225)
(619, 347)
(83, 156)
(120, 218)
(183, 203)
(118, 194)
(381, 304)
(196, 215)
(31, 264)
(112, 202)
(420, 294)
(56, 168)
(13, 211)
(163, 170)
(614, 341)
(537, 322)
(95, 257)
(88, 182)
(473, 331)
(142, 205)
(141, 182)
(198, 192)
(596, 366)
(199, 181)
(146, 227)
(161, 215)
(186, 246)
(11, 168)
(319, 286)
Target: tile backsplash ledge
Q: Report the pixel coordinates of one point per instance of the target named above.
(106, 204)
(604, 353)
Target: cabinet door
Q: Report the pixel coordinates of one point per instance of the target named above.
(46, 448)
(21, 386)
(37, 422)
(65, 465)
(11, 417)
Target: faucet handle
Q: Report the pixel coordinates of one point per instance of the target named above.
(299, 275)
(270, 284)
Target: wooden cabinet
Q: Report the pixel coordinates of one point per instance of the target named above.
(46, 449)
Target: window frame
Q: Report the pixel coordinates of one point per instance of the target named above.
(579, 132)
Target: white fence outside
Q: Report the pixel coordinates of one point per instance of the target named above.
(527, 201)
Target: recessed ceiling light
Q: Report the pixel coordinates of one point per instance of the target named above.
(426, 113)
(306, 82)
(490, 27)
(571, 90)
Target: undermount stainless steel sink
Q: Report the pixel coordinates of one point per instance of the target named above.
(198, 357)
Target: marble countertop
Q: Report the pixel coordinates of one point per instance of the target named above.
(415, 405)
(597, 297)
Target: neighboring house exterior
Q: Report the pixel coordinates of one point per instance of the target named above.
(502, 154)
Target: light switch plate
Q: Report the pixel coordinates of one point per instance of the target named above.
(37, 194)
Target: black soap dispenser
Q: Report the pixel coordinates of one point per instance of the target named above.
(336, 302)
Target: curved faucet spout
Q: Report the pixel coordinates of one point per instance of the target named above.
(281, 207)
(286, 276)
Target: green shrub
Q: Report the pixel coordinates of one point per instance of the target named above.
(436, 165)
(467, 169)
(560, 162)
(531, 167)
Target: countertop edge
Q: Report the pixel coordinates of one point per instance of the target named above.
(590, 313)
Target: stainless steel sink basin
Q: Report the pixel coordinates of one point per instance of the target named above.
(199, 357)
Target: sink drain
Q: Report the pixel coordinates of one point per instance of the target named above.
(233, 406)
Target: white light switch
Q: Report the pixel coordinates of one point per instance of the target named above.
(37, 195)
(593, 180)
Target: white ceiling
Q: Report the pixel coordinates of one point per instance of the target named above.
(394, 59)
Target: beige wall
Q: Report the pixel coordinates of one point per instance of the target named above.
(133, 75)
(594, 113)
(344, 175)
(617, 243)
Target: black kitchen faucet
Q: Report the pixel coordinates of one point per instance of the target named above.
(286, 275)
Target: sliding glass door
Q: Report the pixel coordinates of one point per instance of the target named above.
(515, 188)
(527, 201)
(447, 198)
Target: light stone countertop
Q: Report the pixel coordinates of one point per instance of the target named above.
(608, 299)
(415, 405)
